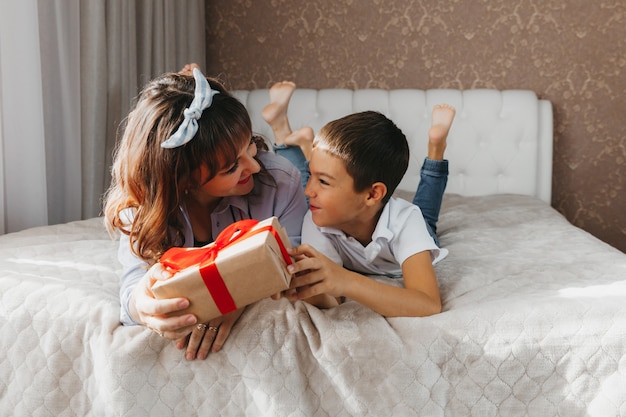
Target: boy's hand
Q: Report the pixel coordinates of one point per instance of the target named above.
(315, 274)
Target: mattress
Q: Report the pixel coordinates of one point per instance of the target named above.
(533, 323)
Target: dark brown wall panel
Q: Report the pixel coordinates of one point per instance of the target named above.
(571, 52)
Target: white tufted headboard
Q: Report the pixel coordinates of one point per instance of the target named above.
(500, 141)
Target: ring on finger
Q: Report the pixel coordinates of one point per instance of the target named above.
(201, 326)
(213, 329)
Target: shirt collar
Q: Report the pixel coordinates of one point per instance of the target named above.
(382, 230)
(382, 234)
(237, 201)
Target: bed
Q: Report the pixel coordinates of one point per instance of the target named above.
(533, 321)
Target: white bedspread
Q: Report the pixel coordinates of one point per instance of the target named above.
(534, 323)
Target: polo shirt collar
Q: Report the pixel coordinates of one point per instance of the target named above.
(381, 231)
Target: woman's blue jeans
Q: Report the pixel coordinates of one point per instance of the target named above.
(295, 155)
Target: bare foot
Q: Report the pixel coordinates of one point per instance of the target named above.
(304, 139)
(443, 115)
(275, 113)
(188, 69)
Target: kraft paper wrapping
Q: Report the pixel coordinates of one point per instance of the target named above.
(252, 268)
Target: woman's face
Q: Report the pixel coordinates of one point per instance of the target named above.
(234, 179)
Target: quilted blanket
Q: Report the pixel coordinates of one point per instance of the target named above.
(534, 323)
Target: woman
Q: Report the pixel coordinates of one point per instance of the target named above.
(186, 167)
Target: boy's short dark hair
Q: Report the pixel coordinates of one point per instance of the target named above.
(371, 146)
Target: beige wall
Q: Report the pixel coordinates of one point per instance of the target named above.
(571, 52)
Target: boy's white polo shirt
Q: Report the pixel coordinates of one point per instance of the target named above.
(400, 233)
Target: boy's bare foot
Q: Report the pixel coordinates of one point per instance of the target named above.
(303, 138)
(188, 69)
(275, 113)
(443, 115)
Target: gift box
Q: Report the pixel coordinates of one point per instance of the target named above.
(246, 263)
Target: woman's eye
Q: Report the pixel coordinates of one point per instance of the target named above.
(233, 168)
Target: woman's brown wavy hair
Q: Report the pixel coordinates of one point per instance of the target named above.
(150, 180)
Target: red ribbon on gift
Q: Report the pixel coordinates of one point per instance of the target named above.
(177, 259)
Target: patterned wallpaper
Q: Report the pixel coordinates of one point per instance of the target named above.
(571, 52)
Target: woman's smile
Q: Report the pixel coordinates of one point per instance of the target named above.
(245, 180)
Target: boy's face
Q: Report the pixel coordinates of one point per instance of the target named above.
(332, 198)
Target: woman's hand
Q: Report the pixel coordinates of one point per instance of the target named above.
(157, 314)
(208, 337)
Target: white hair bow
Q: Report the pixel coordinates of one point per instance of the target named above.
(203, 97)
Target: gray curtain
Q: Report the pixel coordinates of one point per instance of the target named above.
(88, 62)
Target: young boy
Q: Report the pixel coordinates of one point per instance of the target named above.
(354, 227)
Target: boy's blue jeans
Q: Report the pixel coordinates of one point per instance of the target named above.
(429, 194)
